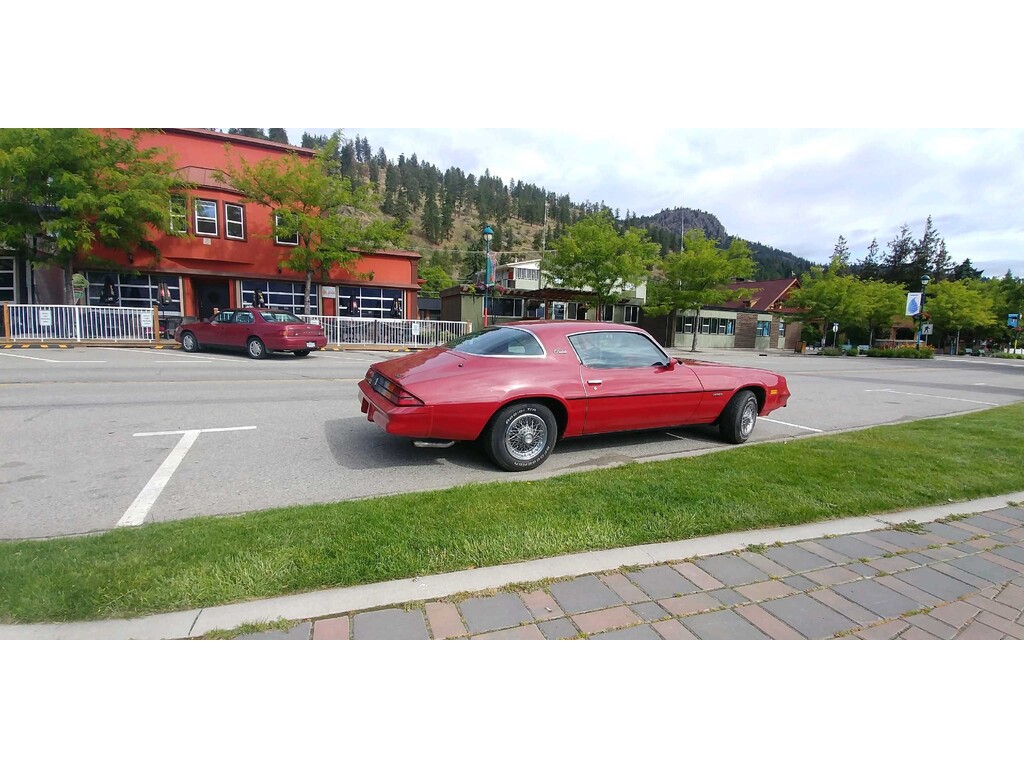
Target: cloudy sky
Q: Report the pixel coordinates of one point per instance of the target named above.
(793, 122)
(793, 189)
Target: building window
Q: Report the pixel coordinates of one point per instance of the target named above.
(607, 313)
(502, 307)
(287, 236)
(279, 294)
(684, 323)
(140, 291)
(764, 327)
(782, 328)
(523, 273)
(206, 218)
(178, 221)
(631, 313)
(234, 221)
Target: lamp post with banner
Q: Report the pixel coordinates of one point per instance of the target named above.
(925, 279)
(488, 234)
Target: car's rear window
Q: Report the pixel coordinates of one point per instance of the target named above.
(498, 341)
(279, 317)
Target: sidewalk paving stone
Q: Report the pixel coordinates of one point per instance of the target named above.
(608, 618)
(917, 558)
(809, 617)
(767, 590)
(727, 596)
(816, 548)
(485, 614)
(444, 620)
(673, 630)
(681, 606)
(529, 632)
(770, 625)
(958, 615)
(1012, 552)
(662, 581)
(948, 532)
(852, 547)
(855, 613)
(916, 633)
(649, 611)
(993, 606)
(934, 627)
(985, 569)
(950, 569)
(558, 629)
(802, 583)
(624, 588)
(639, 632)
(332, 629)
(541, 605)
(926, 599)
(722, 625)
(941, 553)
(903, 539)
(977, 630)
(586, 593)
(885, 631)
(929, 580)
(991, 524)
(863, 569)
(298, 632)
(1000, 624)
(701, 578)
(877, 598)
(762, 563)
(796, 558)
(834, 575)
(893, 564)
(1011, 595)
(390, 624)
(1013, 513)
(732, 570)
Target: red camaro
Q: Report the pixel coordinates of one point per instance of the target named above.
(257, 331)
(520, 387)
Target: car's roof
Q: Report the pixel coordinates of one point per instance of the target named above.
(564, 327)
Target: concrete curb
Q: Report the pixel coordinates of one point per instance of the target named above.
(314, 605)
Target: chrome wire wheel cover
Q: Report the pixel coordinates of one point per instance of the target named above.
(526, 436)
(747, 418)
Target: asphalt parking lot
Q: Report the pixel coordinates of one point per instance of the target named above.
(96, 437)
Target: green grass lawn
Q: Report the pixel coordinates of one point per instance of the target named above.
(209, 561)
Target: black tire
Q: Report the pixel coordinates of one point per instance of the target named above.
(302, 352)
(521, 436)
(189, 342)
(738, 419)
(255, 348)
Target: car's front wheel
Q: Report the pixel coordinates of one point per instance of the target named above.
(189, 343)
(738, 419)
(256, 348)
(521, 436)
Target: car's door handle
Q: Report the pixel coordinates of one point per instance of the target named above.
(595, 382)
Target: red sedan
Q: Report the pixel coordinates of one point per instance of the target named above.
(521, 387)
(257, 331)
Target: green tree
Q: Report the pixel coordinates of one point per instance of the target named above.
(77, 187)
(436, 277)
(957, 305)
(697, 276)
(880, 303)
(330, 218)
(252, 133)
(840, 264)
(826, 298)
(280, 135)
(593, 256)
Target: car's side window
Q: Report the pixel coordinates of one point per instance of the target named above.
(224, 316)
(244, 317)
(617, 349)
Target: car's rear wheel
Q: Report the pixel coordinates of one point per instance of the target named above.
(521, 436)
(256, 348)
(301, 352)
(738, 419)
(189, 342)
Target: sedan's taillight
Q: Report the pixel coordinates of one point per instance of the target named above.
(390, 390)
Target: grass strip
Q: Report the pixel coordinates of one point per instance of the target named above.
(210, 561)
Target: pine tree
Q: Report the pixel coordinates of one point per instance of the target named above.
(925, 251)
(431, 219)
(840, 263)
(280, 135)
(252, 133)
(942, 267)
(897, 260)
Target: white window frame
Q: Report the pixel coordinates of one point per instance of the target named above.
(277, 239)
(197, 218)
(631, 309)
(228, 221)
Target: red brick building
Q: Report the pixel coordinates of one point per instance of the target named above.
(219, 250)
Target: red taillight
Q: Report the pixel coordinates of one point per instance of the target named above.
(390, 390)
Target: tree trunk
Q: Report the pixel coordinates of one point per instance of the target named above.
(696, 327)
(309, 288)
(69, 289)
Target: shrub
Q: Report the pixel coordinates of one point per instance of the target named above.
(830, 351)
(853, 352)
(925, 352)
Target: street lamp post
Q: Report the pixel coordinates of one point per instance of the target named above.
(925, 279)
(488, 234)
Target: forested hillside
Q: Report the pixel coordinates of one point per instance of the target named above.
(445, 211)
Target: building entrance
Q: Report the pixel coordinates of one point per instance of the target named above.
(210, 295)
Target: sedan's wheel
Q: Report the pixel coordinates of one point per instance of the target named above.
(189, 343)
(521, 436)
(301, 352)
(738, 419)
(256, 348)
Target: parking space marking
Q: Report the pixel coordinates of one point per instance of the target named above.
(787, 424)
(144, 502)
(937, 397)
(44, 360)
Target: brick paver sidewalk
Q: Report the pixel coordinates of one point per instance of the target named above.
(954, 579)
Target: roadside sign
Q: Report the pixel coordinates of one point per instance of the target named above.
(415, 329)
(1013, 320)
(46, 318)
(928, 329)
(835, 327)
(913, 303)
(147, 319)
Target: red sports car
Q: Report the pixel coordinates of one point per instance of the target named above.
(521, 387)
(257, 331)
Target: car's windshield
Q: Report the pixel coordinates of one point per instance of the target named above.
(498, 341)
(278, 317)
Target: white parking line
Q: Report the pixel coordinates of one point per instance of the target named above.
(937, 397)
(144, 502)
(787, 424)
(44, 360)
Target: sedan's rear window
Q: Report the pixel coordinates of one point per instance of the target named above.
(279, 317)
(498, 341)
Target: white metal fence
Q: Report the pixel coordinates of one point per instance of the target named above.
(373, 331)
(63, 322)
